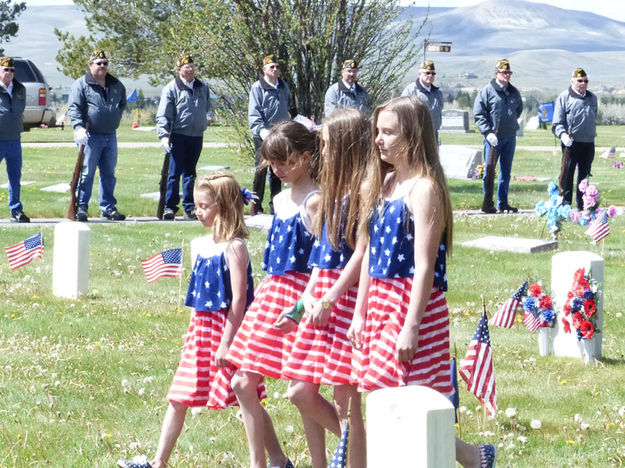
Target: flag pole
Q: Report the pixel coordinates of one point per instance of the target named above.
(457, 409)
(483, 405)
(349, 425)
(180, 277)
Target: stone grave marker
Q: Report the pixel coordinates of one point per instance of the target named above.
(70, 265)
(455, 121)
(512, 244)
(410, 426)
(459, 162)
(563, 267)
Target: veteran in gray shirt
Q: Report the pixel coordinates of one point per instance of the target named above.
(347, 92)
(424, 89)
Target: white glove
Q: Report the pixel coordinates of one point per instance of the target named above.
(165, 144)
(492, 139)
(80, 136)
(566, 139)
(263, 133)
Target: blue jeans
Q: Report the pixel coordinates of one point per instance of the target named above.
(185, 153)
(505, 149)
(100, 152)
(11, 151)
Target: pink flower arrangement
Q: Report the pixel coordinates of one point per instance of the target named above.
(592, 198)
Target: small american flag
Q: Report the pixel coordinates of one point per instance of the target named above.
(504, 318)
(24, 252)
(532, 322)
(599, 228)
(339, 459)
(477, 368)
(164, 264)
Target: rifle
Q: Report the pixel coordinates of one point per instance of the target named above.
(489, 180)
(74, 187)
(565, 162)
(163, 186)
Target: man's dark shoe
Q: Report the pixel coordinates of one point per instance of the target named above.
(20, 217)
(81, 215)
(505, 208)
(169, 214)
(113, 215)
(190, 215)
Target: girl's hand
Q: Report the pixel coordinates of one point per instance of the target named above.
(285, 324)
(220, 356)
(319, 315)
(309, 302)
(354, 334)
(407, 343)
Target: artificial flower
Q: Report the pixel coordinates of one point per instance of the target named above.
(581, 305)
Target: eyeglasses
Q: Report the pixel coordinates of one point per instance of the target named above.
(581, 80)
(9, 69)
(429, 73)
(505, 72)
(101, 64)
(274, 67)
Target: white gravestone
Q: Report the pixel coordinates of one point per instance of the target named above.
(459, 162)
(563, 267)
(70, 267)
(410, 426)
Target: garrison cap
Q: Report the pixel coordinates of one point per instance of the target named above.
(427, 65)
(579, 73)
(271, 58)
(184, 60)
(350, 63)
(503, 65)
(97, 54)
(7, 62)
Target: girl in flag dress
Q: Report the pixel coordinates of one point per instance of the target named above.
(322, 353)
(401, 321)
(260, 349)
(220, 290)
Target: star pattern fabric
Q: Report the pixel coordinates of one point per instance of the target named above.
(393, 258)
(210, 287)
(288, 246)
(323, 256)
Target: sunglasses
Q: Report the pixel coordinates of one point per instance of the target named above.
(9, 69)
(429, 73)
(505, 72)
(274, 67)
(582, 81)
(101, 64)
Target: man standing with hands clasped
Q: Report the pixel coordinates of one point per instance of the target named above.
(12, 104)
(96, 102)
(180, 123)
(424, 89)
(497, 107)
(347, 92)
(575, 124)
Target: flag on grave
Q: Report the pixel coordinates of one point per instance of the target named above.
(504, 318)
(24, 252)
(164, 264)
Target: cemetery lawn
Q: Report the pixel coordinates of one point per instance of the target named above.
(83, 382)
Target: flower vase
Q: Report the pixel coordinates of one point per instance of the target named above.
(587, 348)
(544, 341)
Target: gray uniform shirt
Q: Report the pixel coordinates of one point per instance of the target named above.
(339, 96)
(183, 110)
(269, 105)
(433, 98)
(576, 115)
(95, 108)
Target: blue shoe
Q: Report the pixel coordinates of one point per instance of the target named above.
(140, 461)
(488, 456)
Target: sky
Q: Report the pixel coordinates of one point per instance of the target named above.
(614, 9)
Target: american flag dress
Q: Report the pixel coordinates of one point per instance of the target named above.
(324, 355)
(258, 346)
(198, 381)
(391, 267)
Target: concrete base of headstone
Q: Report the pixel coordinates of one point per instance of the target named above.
(22, 183)
(544, 341)
(70, 266)
(214, 168)
(512, 244)
(410, 426)
(563, 267)
(59, 188)
(459, 162)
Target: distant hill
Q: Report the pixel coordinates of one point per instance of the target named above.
(543, 43)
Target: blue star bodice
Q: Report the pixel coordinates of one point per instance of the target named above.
(288, 246)
(324, 257)
(209, 286)
(391, 244)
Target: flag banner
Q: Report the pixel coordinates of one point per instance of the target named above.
(598, 229)
(532, 322)
(455, 397)
(164, 264)
(477, 368)
(133, 96)
(545, 112)
(339, 459)
(24, 252)
(504, 318)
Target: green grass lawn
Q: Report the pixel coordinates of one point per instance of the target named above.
(83, 382)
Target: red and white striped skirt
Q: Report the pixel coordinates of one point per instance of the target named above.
(258, 346)
(198, 381)
(386, 313)
(324, 355)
